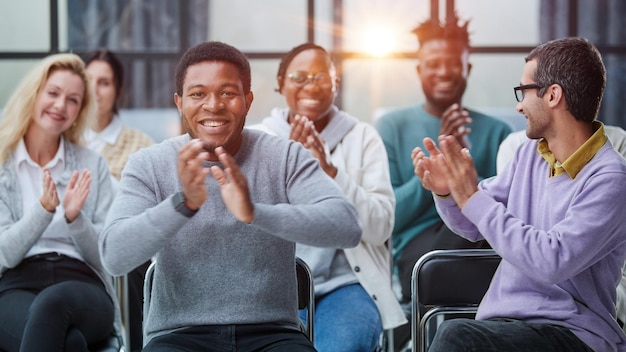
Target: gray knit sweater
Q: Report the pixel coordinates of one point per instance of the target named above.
(211, 268)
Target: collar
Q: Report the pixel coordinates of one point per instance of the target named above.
(109, 134)
(579, 158)
(21, 155)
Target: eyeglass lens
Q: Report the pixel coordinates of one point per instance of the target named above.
(301, 78)
(519, 94)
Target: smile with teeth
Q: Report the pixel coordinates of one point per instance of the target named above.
(212, 123)
(309, 101)
(445, 85)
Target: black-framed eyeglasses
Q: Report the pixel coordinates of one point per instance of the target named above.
(302, 78)
(519, 90)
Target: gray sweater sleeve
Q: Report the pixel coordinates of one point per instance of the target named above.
(317, 214)
(140, 221)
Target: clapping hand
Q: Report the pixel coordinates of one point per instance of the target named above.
(449, 170)
(303, 131)
(49, 199)
(453, 123)
(76, 194)
(234, 187)
(191, 173)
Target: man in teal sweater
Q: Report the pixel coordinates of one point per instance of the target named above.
(443, 68)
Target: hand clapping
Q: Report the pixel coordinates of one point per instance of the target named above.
(76, 194)
(234, 187)
(49, 199)
(447, 171)
(303, 131)
(454, 121)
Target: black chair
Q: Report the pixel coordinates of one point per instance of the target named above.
(113, 344)
(448, 284)
(121, 288)
(306, 294)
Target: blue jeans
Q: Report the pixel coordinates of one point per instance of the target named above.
(346, 320)
(504, 335)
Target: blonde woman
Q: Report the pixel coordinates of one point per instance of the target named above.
(54, 196)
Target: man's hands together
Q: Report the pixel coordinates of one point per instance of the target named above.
(233, 184)
(449, 170)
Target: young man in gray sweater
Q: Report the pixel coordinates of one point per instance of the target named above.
(221, 208)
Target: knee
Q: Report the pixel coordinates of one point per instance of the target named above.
(54, 300)
(449, 333)
(451, 327)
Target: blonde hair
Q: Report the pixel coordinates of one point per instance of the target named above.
(19, 110)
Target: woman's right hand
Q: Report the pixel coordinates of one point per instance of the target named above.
(50, 198)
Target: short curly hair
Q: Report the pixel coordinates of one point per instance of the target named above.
(213, 51)
(453, 30)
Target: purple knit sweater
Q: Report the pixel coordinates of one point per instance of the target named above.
(563, 243)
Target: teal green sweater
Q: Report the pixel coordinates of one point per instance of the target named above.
(404, 129)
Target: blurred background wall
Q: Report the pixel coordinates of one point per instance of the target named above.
(371, 41)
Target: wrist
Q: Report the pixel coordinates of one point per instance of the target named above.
(331, 171)
(180, 205)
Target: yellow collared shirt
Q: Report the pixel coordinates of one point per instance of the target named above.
(579, 158)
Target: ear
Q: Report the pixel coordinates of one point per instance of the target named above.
(335, 87)
(418, 69)
(554, 95)
(249, 99)
(279, 81)
(179, 103)
(469, 68)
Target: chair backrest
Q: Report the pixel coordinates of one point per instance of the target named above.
(306, 294)
(147, 295)
(121, 287)
(449, 282)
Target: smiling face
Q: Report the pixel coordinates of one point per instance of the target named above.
(58, 103)
(533, 107)
(213, 105)
(313, 99)
(103, 82)
(443, 70)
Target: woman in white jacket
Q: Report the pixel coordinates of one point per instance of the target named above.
(354, 300)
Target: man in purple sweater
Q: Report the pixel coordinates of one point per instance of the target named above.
(555, 215)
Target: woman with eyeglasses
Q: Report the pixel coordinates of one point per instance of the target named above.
(354, 301)
(54, 196)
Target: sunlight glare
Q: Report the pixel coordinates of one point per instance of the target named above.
(378, 41)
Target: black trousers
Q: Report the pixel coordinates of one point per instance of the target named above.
(52, 302)
(241, 338)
